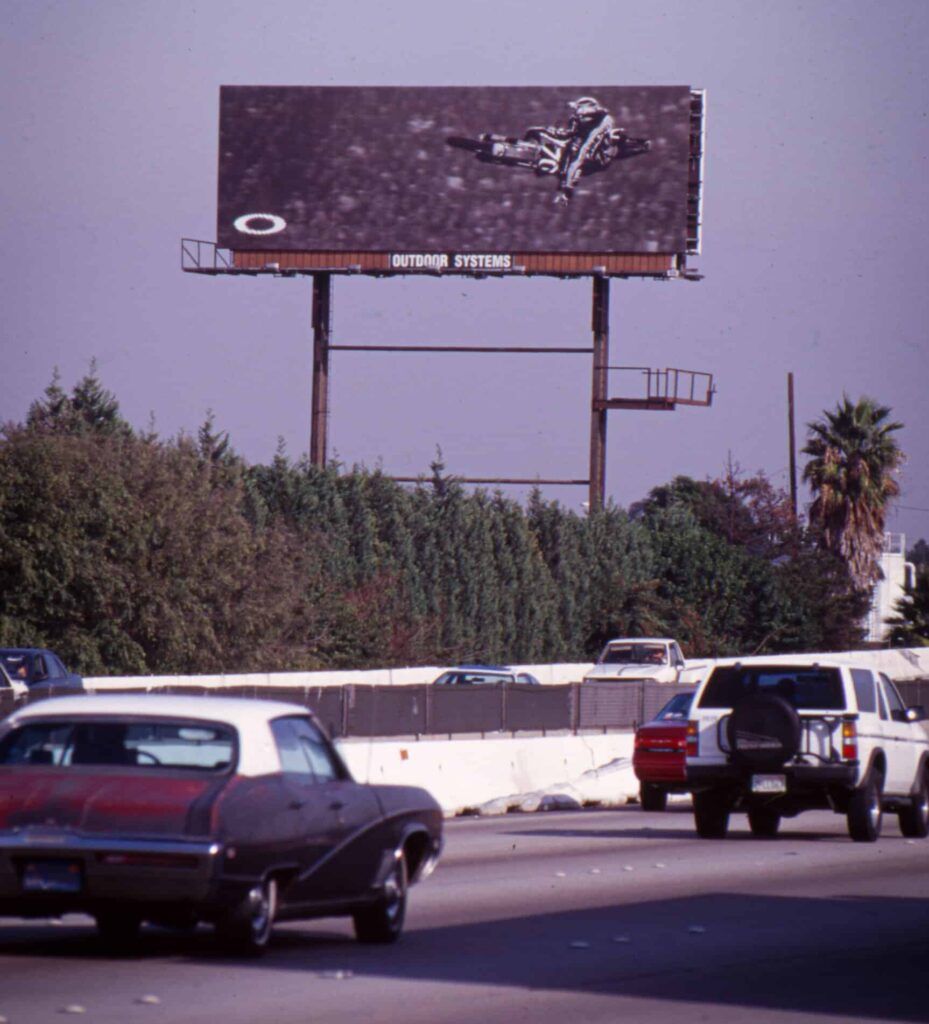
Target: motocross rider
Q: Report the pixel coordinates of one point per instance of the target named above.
(590, 128)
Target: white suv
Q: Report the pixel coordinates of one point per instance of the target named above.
(776, 736)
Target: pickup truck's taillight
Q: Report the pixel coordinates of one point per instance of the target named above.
(849, 741)
(693, 739)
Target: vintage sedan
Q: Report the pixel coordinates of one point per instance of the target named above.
(176, 810)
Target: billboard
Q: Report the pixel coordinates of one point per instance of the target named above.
(456, 178)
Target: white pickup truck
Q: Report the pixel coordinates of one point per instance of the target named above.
(638, 659)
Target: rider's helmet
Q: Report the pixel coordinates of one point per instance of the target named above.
(585, 107)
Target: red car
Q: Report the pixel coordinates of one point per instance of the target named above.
(659, 755)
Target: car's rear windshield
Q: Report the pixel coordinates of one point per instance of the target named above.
(678, 707)
(804, 687)
(16, 661)
(472, 679)
(140, 743)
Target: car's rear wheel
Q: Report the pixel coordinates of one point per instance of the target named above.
(711, 814)
(652, 797)
(914, 819)
(247, 928)
(383, 922)
(864, 810)
(763, 822)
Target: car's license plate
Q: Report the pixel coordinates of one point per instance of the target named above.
(52, 876)
(769, 783)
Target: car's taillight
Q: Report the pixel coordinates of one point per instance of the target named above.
(693, 739)
(849, 741)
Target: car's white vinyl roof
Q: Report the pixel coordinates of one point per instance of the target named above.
(249, 717)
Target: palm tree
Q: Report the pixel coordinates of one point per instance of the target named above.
(853, 461)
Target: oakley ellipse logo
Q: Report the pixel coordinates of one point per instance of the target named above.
(259, 224)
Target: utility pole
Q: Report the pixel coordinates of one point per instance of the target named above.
(792, 441)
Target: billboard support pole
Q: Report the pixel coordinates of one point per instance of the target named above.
(601, 358)
(322, 314)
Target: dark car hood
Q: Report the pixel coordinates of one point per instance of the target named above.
(114, 802)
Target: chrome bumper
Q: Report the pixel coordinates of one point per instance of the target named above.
(137, 870)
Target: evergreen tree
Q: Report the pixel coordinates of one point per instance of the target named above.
(89, 409)
(909, 625)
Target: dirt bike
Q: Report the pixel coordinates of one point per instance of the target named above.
(548, 150)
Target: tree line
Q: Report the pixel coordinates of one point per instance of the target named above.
(131, 554)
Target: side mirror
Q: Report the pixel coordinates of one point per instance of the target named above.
(917, 713)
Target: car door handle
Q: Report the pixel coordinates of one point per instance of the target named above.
(336, 805)
(295, 805)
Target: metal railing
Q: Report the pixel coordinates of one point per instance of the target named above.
(669, 386)
(200, 257)
(426, 710)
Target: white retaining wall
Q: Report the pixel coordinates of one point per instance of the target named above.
(899, 664)
(498, 774)
(546, 674)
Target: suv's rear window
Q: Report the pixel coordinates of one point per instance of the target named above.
(804, 687)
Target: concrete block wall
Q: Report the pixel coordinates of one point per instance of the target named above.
(498, 774)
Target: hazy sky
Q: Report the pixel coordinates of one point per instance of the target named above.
(816, 216)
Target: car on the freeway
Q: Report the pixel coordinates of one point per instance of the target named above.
(659, 753)
(38, 668)
(772, 737)
(176, 810)
(484, 675)
(638, 659)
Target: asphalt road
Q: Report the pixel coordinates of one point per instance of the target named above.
(599, 916)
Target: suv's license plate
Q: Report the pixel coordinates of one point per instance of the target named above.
(769, 783)
(52, 876)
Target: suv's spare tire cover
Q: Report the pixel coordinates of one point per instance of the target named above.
(763, 731)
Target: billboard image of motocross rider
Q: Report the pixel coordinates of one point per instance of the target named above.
(589, 131)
